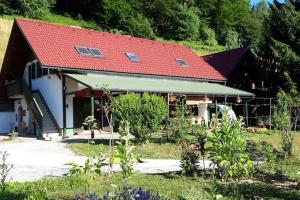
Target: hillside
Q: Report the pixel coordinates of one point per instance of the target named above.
(5, 28)
(6, 24)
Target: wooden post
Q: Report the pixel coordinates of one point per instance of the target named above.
(92, 106)
(168, 99)
(63, 78)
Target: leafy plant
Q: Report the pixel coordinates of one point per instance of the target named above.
(189, 158)
(270, 156)
(91, 124)
(88, 170)
(124, 150)
(282, 121)
(5, 168)
(228, 149)
(145, 114)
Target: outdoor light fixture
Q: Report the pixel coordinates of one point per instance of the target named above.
(238, 99)
(172, 98)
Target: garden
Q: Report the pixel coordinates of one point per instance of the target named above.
(262, 165)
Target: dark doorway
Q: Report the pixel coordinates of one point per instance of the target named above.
(81, 109)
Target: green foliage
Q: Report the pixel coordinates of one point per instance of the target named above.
(139, 26)
(231, 39)
(228, 149)
(189, 158)
(5, 168)
(279, 50)
(270, 156)
(183, 25)
(178, 126)
(124, 150)
(91, 124)
(144, 114)
(207, 36)
(27, 8)
(87, 171)
(282, 122)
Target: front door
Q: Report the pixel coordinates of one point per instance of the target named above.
(81, 109)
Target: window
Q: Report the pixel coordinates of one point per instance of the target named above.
(133, 57)
(182, 62)
(83, 51)
(96, 52)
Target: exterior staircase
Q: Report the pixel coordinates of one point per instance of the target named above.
(50, 127)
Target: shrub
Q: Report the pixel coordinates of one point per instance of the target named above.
(228, 149)
(189, 158)
(145, 114)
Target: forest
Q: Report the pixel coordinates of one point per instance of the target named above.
(271, 30)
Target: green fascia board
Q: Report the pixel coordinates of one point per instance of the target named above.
(156, 85)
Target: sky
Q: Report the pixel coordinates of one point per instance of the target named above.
(253, 2)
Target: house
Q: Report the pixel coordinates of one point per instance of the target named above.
(52, 74)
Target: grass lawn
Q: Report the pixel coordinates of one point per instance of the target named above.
(150, 150)
(173, 151)
(5, 29)
(172, 186)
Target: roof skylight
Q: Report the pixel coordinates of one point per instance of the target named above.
(92, 52)
(83, 51)
(181, 62)
(133, 57)
(96, 52)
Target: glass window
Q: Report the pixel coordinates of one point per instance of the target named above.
(133, 57)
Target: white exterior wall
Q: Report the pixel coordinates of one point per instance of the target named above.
(51, 89)
(5, 119)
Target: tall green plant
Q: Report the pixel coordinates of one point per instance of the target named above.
(228, 149)
(124, 151)
(282, 122)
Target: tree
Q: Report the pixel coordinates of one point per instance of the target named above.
(27, 8)
(183, 25)
(279, 51)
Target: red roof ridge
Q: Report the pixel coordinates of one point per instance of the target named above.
(91, 31)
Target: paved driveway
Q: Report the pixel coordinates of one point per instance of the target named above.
(33, 159)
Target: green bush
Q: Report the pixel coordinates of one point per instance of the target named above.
(189, 158)
(228, 149)
(144, 113)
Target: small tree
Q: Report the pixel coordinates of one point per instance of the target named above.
(228, 149)
(91, 124)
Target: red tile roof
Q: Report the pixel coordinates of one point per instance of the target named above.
(226, 62)
(54, 46)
